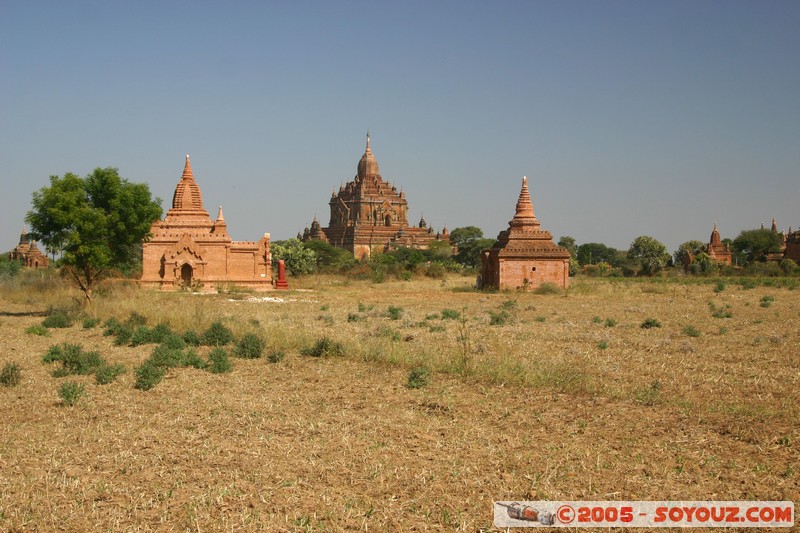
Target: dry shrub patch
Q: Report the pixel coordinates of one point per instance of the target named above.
(519, 411)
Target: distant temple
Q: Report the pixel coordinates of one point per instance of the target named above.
(28, 253)
(524, 256)
(717, 250)
(188, 249)
(369, 215)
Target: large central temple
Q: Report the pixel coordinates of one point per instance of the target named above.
(369, 215)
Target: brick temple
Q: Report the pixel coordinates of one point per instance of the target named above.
(369, 215)
(524, 256)
(189, 250)
(717, 250)
(27, 253)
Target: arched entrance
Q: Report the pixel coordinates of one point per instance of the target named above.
(186, 275)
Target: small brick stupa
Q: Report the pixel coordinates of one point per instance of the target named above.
(524, 256)
(189, 250)
(28, 253)
(369, 215)
(717, 250)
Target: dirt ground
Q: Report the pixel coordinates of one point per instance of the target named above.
(606, 412)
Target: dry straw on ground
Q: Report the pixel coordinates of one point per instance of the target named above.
(564, 397)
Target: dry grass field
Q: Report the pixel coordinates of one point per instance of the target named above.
(531, 396)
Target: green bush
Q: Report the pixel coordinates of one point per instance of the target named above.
(650, 323)
(250, 346)
(276, 356)
(89, 322)
(450, 314)
(191, 338)
(136, 320)
(220, 363)
(720, 312)
(57, 318)
(720, 287)
(173, 341)
(106, 374)
(70, 392)
(597, 320)
(38, 329)
(418, 377)
(766, 301)
(610, 323)
(193, 359)
(148, 375)
(498, 318)
(166, 357)
(354, 317)
(602, 345)
(217, 334)
(691, 331)
(11, 375)
(394, 312)
(323, 347)
(547, 288)
(73, 360)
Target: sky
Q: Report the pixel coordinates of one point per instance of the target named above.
(629, 118)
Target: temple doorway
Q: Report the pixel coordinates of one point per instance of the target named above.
(186, 275)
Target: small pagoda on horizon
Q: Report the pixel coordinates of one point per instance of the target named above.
(524, 256)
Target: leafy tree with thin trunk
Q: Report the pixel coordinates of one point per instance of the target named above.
(757, 243)
(98, 221)
(649, 253)
(684, 250)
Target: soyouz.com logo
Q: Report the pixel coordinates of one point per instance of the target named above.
(643, 514)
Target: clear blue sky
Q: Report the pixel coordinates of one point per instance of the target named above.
(629, 118)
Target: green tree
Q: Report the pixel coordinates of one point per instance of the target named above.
(689, 247)
(470, 243)
(755, 244)
(98, 221)
(569, 243)
(651, 255)
(298, 259)
(330, 257)
(592, 253)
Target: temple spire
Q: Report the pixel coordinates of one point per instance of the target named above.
(220, 217)
(187, 170)
(524, 205)
(368, 147)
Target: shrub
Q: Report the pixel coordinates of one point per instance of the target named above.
(217, 334)
(250, 346)
(418, 377)
(649, 395)
(449, 314)
(57, 318)
(219, 362)
(173, 341)
(135, 320)
(70, 392)
(602, 345)
(691, 331)
(720, 312)
(766, 301)
(73, 360)
(106, 374)
(650, 323)
(509, 305)
(11, 375)
(192, 338)
(547, 288)
(354, 317)
(193, 359)
(610, 323)
(720, 287)
(276, 356)
(148, 375)
(597, 320)
(540, 318)
(89, 322)
(38, 329)
(498, 318)
(323, 347)
(394, 312)
(166, 357)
